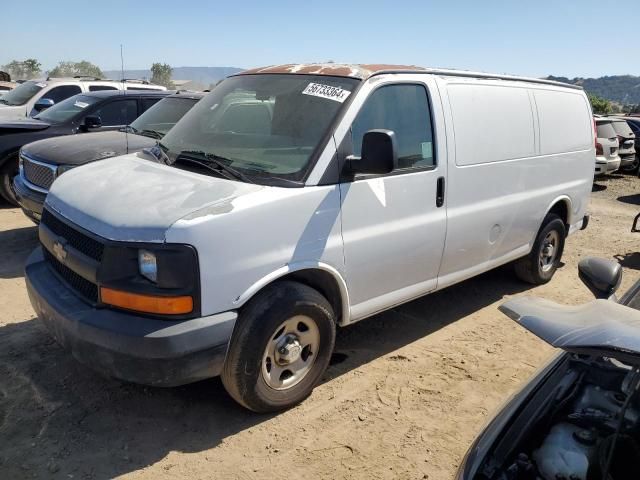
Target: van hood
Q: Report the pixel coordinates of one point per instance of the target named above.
(132, 199)
(601, 327)
(8, 112)
(86, 147)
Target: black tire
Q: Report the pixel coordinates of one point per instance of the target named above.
(529, 268)
(258, 324)
(632, 168)
(8, 171)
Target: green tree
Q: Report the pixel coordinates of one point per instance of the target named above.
(72, 69)
(15, 68)
(600, 106)
(23, 69)
(161, 75)
(32, 68)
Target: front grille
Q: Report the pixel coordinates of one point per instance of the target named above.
(39, 175)
(84, 287)
(85, 244)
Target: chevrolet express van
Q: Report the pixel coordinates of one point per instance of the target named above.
(296, 199)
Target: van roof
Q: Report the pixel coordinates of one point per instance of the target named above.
(364, 71)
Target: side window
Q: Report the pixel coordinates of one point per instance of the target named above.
(97, 88)
(57, 94)
(147, 103)
(403, 108)
(118, 112)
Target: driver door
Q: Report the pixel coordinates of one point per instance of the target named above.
(394, 225)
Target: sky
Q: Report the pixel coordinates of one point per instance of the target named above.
(535, 38)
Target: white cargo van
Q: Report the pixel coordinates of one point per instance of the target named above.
(295, 199)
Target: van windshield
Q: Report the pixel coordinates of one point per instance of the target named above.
(22, 93)
(161, 118)
(265, 125)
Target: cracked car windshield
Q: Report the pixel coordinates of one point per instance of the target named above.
(263, 125)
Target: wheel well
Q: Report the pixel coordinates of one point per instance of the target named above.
(323, 282)
(5, 156)
(561, 209)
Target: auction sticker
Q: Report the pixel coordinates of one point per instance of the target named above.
(326, 91)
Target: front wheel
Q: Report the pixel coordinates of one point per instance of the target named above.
(280, 348)
(8, 170)
(542, 262)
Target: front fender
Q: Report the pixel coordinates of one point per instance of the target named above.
(296, 267)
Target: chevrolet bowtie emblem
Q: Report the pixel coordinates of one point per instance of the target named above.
(59, 251)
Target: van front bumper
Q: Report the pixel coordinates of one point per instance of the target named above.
(31, 201)
(125, 345)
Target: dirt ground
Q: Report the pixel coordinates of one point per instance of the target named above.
(407, 391)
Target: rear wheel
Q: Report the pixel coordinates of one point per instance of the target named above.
(8, 171)
(280, 348)
(542, 262)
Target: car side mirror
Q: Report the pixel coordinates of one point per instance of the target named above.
(600, 275)
(91, 122)
(379, 153)
(43, 104)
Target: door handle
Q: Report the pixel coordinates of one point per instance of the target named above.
(440, 192)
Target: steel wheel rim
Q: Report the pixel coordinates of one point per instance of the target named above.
(549, 251)
(290, 352)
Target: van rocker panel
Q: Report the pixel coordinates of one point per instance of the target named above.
(123, 344)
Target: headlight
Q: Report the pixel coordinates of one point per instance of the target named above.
(64, 168)
(147, 265)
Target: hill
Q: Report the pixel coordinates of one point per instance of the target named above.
(201, 75)
(623, 89)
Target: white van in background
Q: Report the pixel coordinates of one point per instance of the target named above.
(33, 96)
(298, 198)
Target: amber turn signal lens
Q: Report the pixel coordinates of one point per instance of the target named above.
(147, 303)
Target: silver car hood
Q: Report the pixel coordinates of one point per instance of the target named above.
(601, 327)
(132, 199)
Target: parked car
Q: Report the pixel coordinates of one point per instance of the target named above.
(626, 140)
(6, 86)
(5, 83)
(34, 96)
(89, 112)
(41, 162)
(634, 124)
(579, 417)
(295, 199)
(607, 144)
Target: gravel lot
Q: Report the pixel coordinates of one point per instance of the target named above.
(406, 394)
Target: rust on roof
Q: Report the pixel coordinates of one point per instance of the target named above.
(336, 69)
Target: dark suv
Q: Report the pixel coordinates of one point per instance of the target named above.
(86, 112)
(43, 161)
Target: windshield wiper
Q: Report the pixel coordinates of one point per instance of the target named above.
(6, 102)
(149, 133)
(211, 161)
(129, 129)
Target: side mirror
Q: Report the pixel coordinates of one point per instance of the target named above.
(43, 104)
(379, 153)
(600, 275)
(91, 122)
